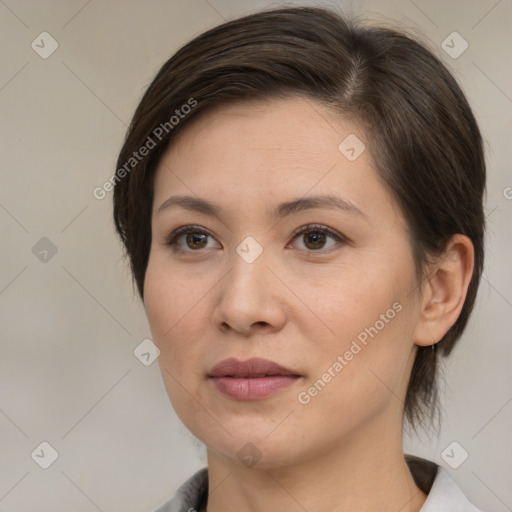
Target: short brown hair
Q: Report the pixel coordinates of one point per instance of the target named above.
(422, 135)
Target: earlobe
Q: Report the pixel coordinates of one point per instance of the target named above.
(445, 290)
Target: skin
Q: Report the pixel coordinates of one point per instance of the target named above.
(296, 305)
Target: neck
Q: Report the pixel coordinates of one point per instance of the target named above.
(365, 472)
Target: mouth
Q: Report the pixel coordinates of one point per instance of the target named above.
(252, 368)
(253, 379)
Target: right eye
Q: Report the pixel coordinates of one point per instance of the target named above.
(196, 239)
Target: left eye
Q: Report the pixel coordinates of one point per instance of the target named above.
(314, 237)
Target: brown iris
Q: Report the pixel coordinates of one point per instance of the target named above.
(317, 240)
(196, 238)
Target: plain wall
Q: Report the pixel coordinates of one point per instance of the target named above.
(69, 324)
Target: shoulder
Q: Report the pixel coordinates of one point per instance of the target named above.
(190, 496)
(446, 495)
(443, 493)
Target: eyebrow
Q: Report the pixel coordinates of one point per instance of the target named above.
(196, 204)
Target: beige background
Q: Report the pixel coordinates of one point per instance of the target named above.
(69, 325)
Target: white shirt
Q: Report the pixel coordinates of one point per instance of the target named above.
(443, 494)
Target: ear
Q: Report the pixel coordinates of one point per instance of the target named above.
(445, 290)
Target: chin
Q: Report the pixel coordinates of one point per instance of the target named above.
(254, 447)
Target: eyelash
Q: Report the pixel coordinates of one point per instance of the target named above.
(173, 238)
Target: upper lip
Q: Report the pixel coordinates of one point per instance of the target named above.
(254, 367)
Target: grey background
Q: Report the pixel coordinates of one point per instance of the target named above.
(70, 321)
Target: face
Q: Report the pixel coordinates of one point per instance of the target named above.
(273, 270)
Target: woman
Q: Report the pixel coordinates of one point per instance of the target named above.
(300, 199)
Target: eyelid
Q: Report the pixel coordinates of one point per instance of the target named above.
(341, 239)
(190, 228)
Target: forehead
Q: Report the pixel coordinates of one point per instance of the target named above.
(251, 151)
(295, 124)
(237, 138)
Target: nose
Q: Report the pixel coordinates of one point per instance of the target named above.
(250, 299)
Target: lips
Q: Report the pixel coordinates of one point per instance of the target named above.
(252, 368)
(254, 379)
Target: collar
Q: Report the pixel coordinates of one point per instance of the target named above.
(443, 493)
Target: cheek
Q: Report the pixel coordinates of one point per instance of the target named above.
(361, 374)
(364, 359)
(166, 303)
(169, 309)
(353, 297)
(176, 306)
(168, 296)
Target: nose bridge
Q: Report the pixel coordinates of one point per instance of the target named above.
(249, 268)
(249, 294)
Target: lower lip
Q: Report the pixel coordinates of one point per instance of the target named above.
(253, 388)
